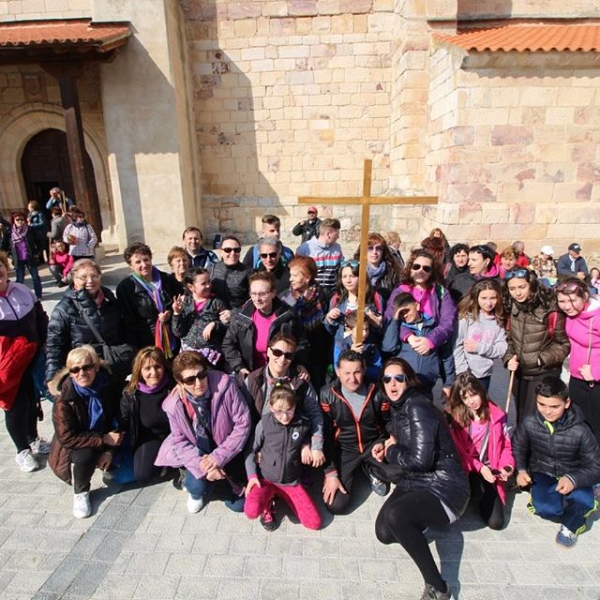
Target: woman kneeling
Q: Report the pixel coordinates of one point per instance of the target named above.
(84, 416)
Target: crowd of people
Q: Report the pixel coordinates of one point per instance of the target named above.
(249, 376)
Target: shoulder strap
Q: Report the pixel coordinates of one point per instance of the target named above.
(89, 323)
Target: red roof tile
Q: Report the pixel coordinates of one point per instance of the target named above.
(528, 37)
(54, 33)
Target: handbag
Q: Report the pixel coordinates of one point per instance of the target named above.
(118, 357)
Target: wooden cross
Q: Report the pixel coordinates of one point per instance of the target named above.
(365, 201)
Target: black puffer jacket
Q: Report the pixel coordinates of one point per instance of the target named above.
(341, 426)
(67, 329)
(239, 339)
(230, 283)
(566, 447)
(280, 447)
(529, 337)
(425, 451)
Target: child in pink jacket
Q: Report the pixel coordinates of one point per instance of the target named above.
(480, 432)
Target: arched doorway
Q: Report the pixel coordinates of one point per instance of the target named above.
(45, 164)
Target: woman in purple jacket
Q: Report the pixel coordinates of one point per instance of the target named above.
(210, 424)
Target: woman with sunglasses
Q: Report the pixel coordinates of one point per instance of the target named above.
(422, 279)
(85, 418)
(229, 277)
(254, 324)
(210, 425)
(345, 300)
(480, 265)
(583, 330)
(24, 251)
(280, 369)
(537, 342)
(383, 271)
(432, 490)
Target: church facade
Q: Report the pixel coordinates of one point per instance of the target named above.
(216, 112)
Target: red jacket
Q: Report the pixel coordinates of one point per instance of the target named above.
(15, 355)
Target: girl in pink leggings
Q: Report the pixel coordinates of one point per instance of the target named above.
(281, 446)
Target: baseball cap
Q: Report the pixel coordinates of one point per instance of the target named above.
(313, 209)
(575, 247)
(549, 250)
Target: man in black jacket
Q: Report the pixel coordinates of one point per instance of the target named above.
(558, 456)
(309, 227)
(354, 420)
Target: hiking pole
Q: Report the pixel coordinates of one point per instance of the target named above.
(509, 393)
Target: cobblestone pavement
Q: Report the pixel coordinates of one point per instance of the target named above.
(142, 543)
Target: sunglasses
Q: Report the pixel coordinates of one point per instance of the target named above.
(269, 255)
(567, 288)
(350, 263)
(520, 273)
(279, 353)
(200, 376)
(375, 248)
(230, 250)
(420, 267)
(312, 212)
(87, 367)
(400, 378)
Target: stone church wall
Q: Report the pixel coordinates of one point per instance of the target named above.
(22, 10)
(516, 147)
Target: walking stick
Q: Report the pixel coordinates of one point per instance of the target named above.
(509, 393)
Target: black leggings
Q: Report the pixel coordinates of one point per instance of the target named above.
(143, 461)
(403, 518)
(21, 419)
(490, 506)
(84, 461)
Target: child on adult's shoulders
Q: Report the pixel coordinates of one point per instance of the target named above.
(558, 458)
(367, 348)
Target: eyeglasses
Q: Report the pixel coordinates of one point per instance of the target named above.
(520, 273)
(269, 255)
(277, 353)
(567, 287)
(283, 413)
(19, 219)
(87, 367)
(86, 276)
(230, 250)
(400, 378)
(420, 267)
(349, 263)
(200, 376)
(377, 248)
(259, 294)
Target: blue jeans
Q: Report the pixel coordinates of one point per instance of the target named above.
(572, 509)
(37, 282)
(198, 488)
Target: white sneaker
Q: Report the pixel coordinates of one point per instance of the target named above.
(26, 461)
(195, 506)
(40, 446)
(81, 505)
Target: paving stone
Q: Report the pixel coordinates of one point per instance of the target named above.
(117, 587)
(234, 589)
(198, 588)
(157, 586)
(263, 566)
(148, 563)
(277, 589)
(224, 566)
(185, 564)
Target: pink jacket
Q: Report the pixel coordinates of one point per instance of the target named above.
(230, 425)
(583, 332)
(499, 446)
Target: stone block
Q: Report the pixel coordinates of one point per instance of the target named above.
(243, 10)
(521, 213)
(302, 8)
(275, 9)
(503, 135)
(589, 172)
(560, 115)
(575, 96)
